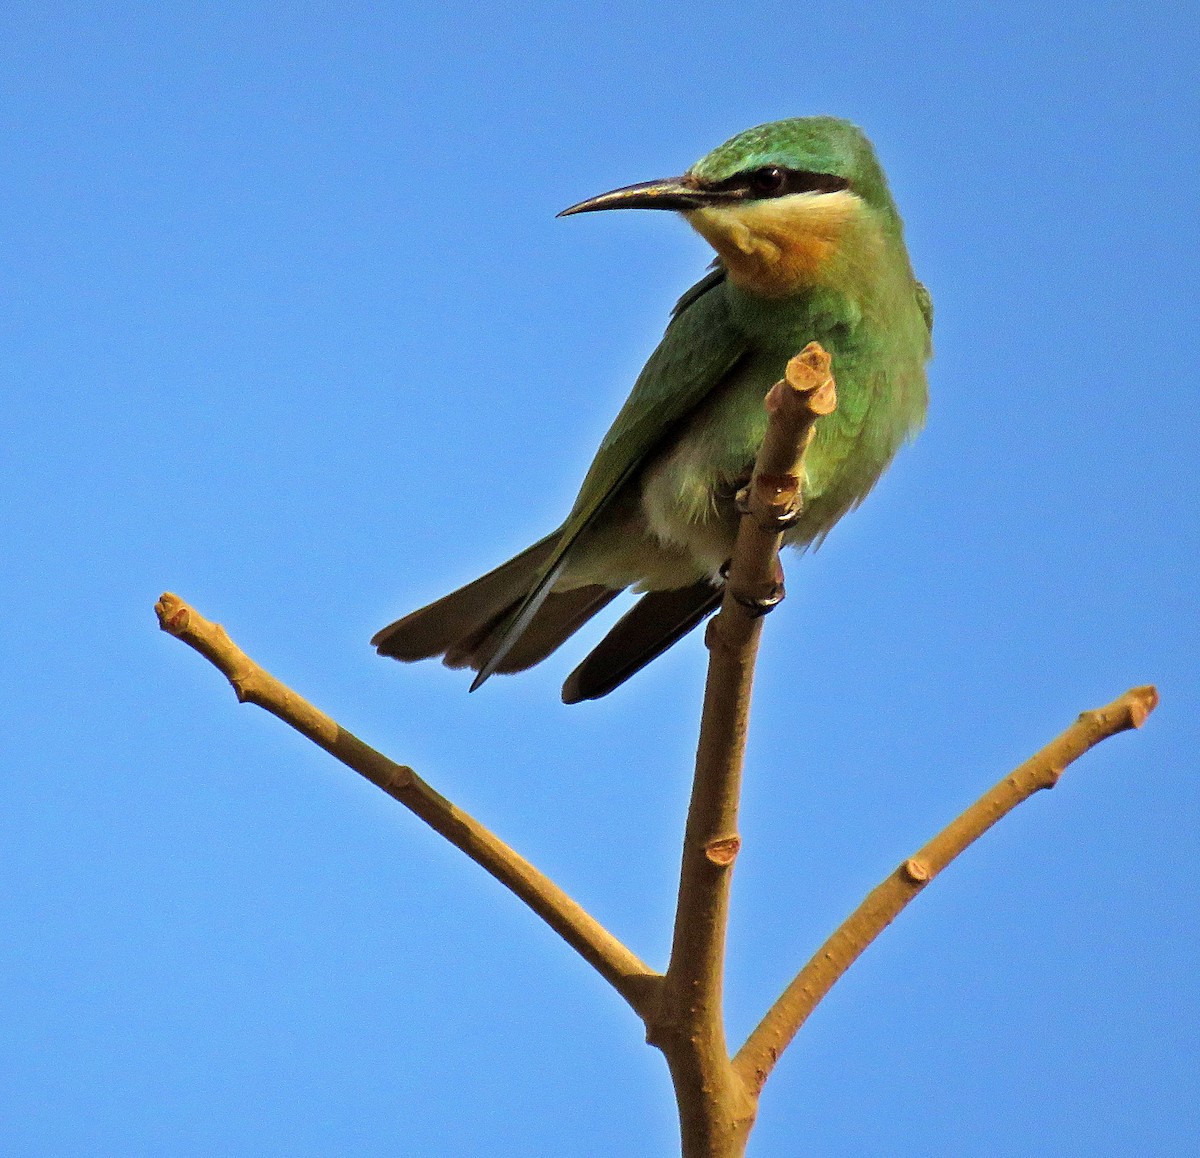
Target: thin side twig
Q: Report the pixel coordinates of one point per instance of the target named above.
(632, 979)
(756, 1059)
(715, 1108)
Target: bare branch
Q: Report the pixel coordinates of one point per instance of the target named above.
(756, 1059)
(716, 1110)
(683, 1008)
(634, 980)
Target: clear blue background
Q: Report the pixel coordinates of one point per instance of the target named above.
(289, 328)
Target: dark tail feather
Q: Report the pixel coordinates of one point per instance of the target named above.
(561, 614)
(656, 621)
(468, 612)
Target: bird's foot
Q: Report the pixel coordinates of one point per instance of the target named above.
(757, 604)
(760, 604)
(779, 523)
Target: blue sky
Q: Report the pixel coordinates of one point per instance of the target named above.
(290, 329)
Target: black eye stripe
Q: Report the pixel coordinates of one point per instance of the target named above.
(776, 181)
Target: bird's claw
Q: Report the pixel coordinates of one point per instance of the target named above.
(778, 523)
(760, 604)
(757, 604)
(787, 521)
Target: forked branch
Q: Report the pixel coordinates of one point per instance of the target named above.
(682, 1009)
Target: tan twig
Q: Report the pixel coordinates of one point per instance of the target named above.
(634, 980)
(755, 1060)
(715, 1108)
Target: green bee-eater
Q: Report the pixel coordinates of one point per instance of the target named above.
(809, 248)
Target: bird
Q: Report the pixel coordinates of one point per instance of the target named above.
(809, 247)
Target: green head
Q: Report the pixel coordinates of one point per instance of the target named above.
(811, 154)
(776, 201)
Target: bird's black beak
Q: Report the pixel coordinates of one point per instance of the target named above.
(678, 193)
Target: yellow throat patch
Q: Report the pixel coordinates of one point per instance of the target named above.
(778, 245)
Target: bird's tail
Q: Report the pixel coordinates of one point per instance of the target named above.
(465, 626)
(655, 622)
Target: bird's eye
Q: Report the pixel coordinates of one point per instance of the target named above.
(768, 182)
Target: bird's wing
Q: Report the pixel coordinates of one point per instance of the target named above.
(714, 277)
(700, 347)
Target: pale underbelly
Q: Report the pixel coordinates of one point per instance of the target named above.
(676, 521)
